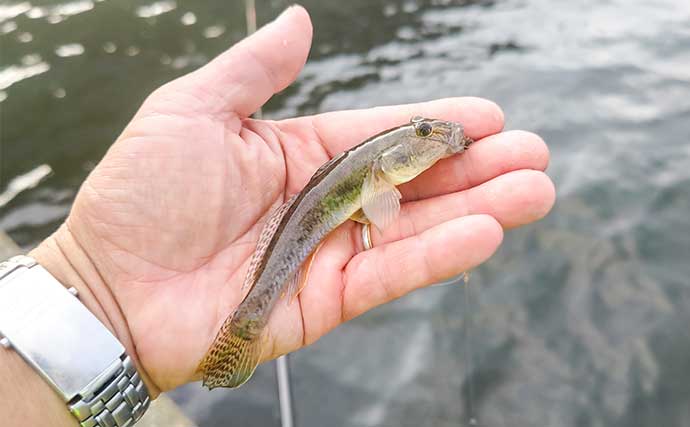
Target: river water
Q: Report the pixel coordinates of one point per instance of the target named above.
(580, 320)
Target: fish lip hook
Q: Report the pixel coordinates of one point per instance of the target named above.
(466, 142)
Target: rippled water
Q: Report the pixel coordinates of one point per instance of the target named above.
(580, 320)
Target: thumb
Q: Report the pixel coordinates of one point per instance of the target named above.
(244, 77)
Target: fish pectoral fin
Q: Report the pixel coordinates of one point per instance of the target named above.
(380, 199)
(360, 217)
(299, 279)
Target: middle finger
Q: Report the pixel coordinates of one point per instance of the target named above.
(513, 199)
(485, 159)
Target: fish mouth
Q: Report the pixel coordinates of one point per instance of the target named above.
(460, 141)
(466, 142)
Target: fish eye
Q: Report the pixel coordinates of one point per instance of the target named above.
(424, 129)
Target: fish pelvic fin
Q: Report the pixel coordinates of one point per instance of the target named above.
(298, 281)
(234, 355)
(360, 217)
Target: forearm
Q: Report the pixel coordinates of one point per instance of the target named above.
(25, 397)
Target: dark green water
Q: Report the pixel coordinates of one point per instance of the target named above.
(580, 320)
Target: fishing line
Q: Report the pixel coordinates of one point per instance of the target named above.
(467, 344)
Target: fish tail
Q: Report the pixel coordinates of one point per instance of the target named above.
(233, 356)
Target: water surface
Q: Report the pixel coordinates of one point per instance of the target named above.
(579, 320)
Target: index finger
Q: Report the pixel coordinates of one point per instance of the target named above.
(341, 130)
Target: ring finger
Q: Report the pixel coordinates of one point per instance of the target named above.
(513, 199)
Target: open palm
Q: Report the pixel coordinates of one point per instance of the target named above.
(171, 215)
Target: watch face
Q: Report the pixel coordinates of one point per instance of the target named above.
(54, 332)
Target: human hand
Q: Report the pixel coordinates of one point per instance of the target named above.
(160, 235)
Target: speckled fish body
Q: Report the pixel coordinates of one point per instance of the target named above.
(363, 177)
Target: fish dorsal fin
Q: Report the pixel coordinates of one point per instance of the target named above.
(326, 166)
(265, 237)
(380, 199)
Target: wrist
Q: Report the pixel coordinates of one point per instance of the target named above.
(63, 257)
(26, 399)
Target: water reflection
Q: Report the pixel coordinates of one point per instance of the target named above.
(188, 19)
(52, 14)
(214, 31)
(132, 51)
(13, 10)
(24, 182)
(72, 49)
(8, 27)
(25, 37)
(32, 65)
(109, 47)
(155, 9)
(578, 320)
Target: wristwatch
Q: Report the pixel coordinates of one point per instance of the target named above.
(68, 346)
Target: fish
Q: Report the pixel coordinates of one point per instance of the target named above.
(358, 184)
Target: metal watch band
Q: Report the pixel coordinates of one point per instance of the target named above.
(121, 402)
(67, 345)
